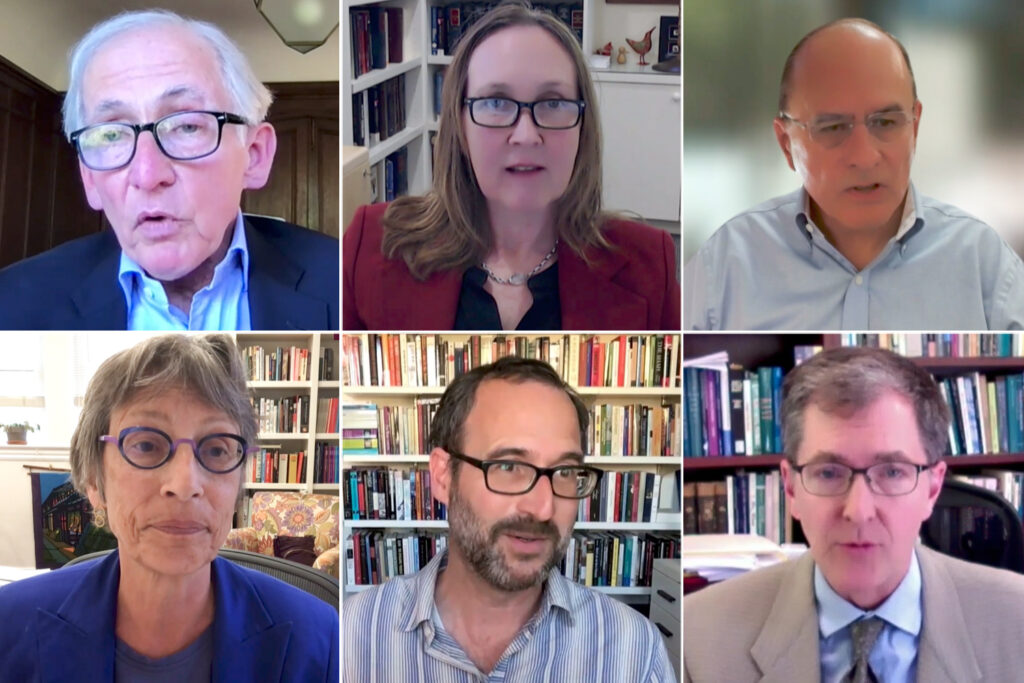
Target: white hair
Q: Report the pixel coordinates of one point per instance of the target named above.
(249, 97)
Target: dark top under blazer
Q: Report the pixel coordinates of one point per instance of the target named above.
(293, 282)
(631, 286)
(59, 626)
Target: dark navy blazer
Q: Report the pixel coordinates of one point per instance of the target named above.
(59, 626)
(293, 282)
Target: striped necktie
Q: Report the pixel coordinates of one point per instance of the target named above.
(865, 633)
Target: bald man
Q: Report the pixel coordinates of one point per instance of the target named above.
(856, 247)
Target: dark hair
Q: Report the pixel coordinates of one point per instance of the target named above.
(851, 378)
(208, 367)
(787, 70)
(458, 398)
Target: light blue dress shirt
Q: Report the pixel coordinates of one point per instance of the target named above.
(893, 659)
(771, 268)
(393, 633)
(221, 305)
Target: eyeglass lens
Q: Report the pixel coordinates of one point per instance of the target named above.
(833, 479)
(185, 135)
(500, 112)
(515, 477)
(149, 448)
(884, 126)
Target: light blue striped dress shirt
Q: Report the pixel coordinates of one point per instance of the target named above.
(391, 635)
(893, 659)
(771, 268)
(221, 305)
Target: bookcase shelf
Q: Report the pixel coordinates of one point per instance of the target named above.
(642, 591)
(356, 460)
(378, 76)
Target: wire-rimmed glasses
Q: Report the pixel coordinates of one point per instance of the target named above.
(895, 478)
(515, 477)
(148, 448)
(183, 136)
(832, 131)
(503, 112)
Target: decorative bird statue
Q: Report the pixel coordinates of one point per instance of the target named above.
(642, 47)
(606, 50)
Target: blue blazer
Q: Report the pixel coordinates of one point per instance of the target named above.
(59, 626)
(293, 282)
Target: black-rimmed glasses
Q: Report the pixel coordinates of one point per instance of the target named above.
(895, 478)
(183, 136)
(503, 112)
(514, 477)
(833, 131)
(148, 448)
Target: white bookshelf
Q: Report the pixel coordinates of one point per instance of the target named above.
(407, 395)
(626, 95)
(315, 388)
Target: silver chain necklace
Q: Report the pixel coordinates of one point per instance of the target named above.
(518, 279)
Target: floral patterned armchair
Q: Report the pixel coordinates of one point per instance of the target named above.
(289, 513)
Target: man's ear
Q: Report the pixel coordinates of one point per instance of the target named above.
(934, 478)
(789, 476)
(440, 475)
(918, 108)
(782, 136)
(262, 145)
(90, 186)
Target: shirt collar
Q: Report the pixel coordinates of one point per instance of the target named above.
(902, 609)
(556, 594)
(130, 272)
(907, 222)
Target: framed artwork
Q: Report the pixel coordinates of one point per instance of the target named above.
(62, 521)
(668, 38)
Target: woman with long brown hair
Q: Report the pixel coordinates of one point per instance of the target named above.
(512, 235)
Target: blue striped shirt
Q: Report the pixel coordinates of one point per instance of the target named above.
(390, 635)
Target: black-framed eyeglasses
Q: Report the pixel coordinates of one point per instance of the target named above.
(514, 477)
(833, 131)
(148, 448)
(183, 136)
(503, 112)
(894, 478)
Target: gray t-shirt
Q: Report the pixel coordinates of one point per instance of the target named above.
(193, 664)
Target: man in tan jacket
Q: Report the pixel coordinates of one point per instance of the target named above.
(864, 431)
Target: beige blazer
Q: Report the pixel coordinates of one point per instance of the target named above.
(763, 626)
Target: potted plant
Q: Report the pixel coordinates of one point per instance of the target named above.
(17, 432)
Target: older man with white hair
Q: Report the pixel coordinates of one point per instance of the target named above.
(167, 119)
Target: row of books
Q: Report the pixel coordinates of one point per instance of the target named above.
(326, 465)
(286, 415)
(732, 411)
(280, 364)
(327, 416)
(390, 493)
(988, 413)
(628, 496)
(592, 558)
(376, 38)
(1010, 485)
(615, 430)
(271, 466)
(359, 434)
(744, 503)
(429, 360)
(616, 558)
(448, 23)
(378, 112)
(949, 345)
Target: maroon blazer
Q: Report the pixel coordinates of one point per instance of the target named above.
(632, 286)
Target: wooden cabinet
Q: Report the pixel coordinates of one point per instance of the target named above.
(303, 183)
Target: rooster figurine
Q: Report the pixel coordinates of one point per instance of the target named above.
(606, 50)
(642, 47)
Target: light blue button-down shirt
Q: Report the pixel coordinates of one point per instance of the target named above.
(771, 268)
(893, 659)
(221, 305)
(392, 633)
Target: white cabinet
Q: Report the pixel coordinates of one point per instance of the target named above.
(640, 122)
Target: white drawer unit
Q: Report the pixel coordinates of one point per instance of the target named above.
(666, 606)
